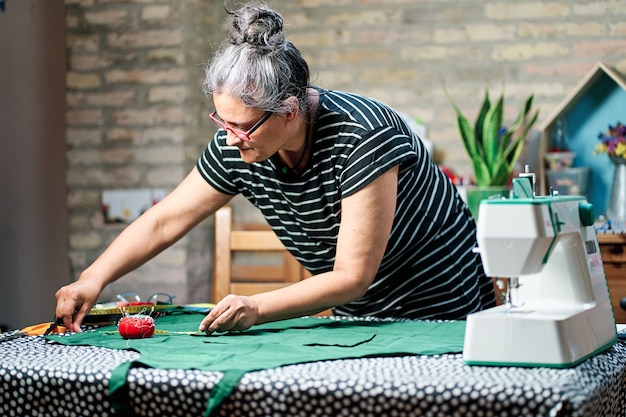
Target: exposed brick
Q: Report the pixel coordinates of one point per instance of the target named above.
(145, 39)
(476, 73)
(375, 36)
(314, 4)
(357, 57)
(159, 155)
(163, 176)
(81, 3)
(83, 62)
(132, 1)
(155, 12)
(537, 87)
(561, 29)
(110, 58)
(322, 39)
(526, 51)
(475, 32)
(82, 43)
(384, 2)
(84, 117)
(85, 240)
(93, 157)
(360, 18)
(600, 8)
(107, 17)
(84, 137)
(82, 81)
(79, 222)
(299, 19)
(104, 99)
(147, 135)
(145, 76)
(621, 66)
(121, 135)
(172, 257)
(176, 94)
(334, 79)
(429, 14)
(618, 29)
(438, 53)
(520, 11)
(557, 70)
(599, 48)
(120, 177)
(78, 259)
(401, 76)
(148, 117)
(82, 199)
(96, 220)
(71, 21)
(174, 56)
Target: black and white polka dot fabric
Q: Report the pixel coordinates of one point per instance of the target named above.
(38, 378)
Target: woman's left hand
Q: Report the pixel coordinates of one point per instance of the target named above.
(233, 312)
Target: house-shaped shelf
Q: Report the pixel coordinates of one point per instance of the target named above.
(598, 101)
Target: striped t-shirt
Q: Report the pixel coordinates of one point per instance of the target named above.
(428, 270)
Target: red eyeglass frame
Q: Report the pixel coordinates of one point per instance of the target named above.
(241, 134)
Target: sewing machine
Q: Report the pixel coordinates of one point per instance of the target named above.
(557, 312)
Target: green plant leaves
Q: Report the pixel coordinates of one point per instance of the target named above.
(491, 136)
(493, 149)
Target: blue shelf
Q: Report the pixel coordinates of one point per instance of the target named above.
(598, 101)
(604, 105)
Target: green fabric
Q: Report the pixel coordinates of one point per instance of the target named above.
(269, 345)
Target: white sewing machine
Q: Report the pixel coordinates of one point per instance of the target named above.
(558, 311)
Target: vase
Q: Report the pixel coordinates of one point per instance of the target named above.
(478, 193)
(617, 201)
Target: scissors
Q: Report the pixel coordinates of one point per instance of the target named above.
(42, 329)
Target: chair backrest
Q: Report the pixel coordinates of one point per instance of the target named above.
(245, 278)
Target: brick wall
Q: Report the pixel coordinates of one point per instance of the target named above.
(403, 52)
(136, 116)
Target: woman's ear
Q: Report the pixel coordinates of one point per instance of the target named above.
(293, 105)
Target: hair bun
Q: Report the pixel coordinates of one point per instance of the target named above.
(258, 26)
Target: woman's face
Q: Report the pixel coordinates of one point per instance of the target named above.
(266, 139)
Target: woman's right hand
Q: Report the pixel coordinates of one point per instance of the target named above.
(74, 301)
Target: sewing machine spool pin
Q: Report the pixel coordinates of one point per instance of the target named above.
(531, 177)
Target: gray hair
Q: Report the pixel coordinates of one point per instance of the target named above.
(257, 65)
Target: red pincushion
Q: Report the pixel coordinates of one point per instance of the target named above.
(136, 326)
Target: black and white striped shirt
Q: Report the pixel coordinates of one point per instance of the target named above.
(428, 270)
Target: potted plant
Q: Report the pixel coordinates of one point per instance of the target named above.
(493, 148)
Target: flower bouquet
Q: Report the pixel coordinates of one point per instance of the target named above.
(613, 142)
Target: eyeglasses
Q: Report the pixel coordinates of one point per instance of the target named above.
(243, 135)
(156, 298)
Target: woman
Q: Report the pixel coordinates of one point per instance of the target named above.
(342, 180)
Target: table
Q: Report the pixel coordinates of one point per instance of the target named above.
(40, 378)
(613, 249)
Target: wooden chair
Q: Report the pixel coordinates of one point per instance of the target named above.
(248, 279)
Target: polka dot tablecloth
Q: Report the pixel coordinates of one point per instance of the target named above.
(39, 378)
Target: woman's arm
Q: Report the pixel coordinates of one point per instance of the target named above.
(366, 221)
(155, 230)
